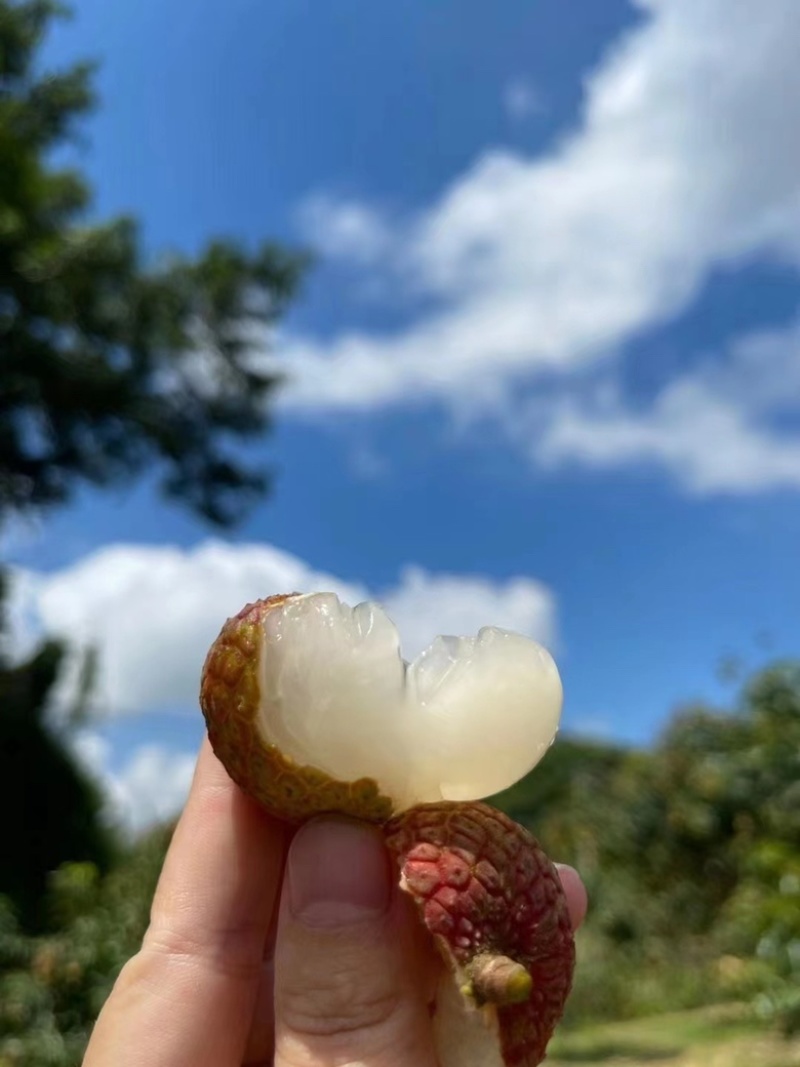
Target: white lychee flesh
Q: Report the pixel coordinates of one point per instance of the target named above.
(468, 718)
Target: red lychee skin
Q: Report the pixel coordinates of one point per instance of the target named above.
(483, 884)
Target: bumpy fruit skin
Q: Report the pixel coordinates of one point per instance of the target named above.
(486, 889)
(230, 699)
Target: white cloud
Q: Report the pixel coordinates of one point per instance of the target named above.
(424, 605)
(707, 444)
(522, 99)
(710, 428)
(151, 786)
(686, 159)
(152, 612)
(344, 229)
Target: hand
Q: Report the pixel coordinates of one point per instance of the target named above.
(274, 956)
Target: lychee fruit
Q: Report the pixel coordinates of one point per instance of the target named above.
(312, 709)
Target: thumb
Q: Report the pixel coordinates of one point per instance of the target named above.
(350, 985)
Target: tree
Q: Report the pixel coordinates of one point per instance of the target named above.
(52, 987)
(54, 810)
(110, 367)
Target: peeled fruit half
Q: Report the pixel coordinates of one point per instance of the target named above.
(312, 709)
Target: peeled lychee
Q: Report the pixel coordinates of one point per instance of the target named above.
(311, 708)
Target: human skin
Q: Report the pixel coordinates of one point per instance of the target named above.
(269, 947)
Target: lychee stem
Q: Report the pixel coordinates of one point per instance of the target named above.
(497, 980)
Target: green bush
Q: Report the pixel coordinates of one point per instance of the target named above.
(53, 987)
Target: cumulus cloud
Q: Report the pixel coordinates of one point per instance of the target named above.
(150, 787)
(423, 605)
(707, 444)
(344, 228)
(711, 428)
(685, 159)
(152, 612)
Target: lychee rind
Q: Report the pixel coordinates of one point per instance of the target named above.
(230, 698)
(485, 887)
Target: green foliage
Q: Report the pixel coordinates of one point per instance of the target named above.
(109, 365)
(691, 853)
(52, 988)
(761, 924)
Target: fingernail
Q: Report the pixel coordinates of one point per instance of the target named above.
(575, 891)
(338, 873)
(566, 871)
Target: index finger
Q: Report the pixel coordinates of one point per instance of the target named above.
(188, 995)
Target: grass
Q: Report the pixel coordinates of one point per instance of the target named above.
(727, 1036)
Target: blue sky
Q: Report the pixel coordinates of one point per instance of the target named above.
(546, 372)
